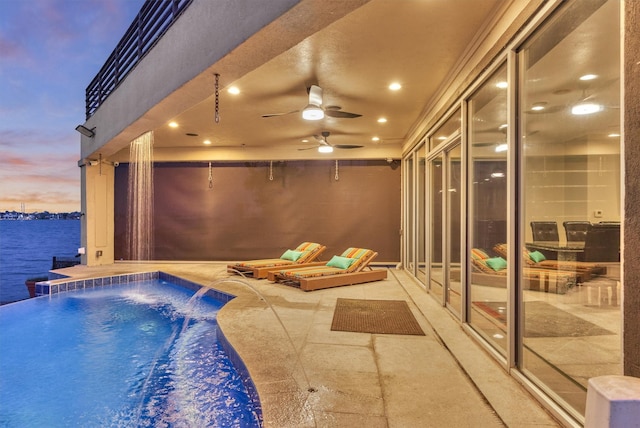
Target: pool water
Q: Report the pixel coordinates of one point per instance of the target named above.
(138, 354)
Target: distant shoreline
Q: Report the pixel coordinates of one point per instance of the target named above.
(45, 215)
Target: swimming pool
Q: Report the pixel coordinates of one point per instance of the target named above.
(146, 353)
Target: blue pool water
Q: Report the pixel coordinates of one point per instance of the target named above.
(139, 354)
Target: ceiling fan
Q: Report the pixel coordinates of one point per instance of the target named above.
(325, 147)
(315, 111)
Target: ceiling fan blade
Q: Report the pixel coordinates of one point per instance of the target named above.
(341, 114)
(308, 148)
(347, 146)
(315, 95)
(280, 114)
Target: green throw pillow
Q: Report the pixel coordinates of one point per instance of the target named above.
(291, 255)
(340, 262)
(537, 256)
(496, 263)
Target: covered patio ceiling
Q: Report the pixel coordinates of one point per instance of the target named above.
(420, 44)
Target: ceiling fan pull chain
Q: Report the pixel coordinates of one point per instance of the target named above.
(210, 176)
(217, 115)
(337, 177)
(270, 170)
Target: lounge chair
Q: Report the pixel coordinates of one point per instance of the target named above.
(584, 271)
(492, 272)
(305, 254)
(352, 267)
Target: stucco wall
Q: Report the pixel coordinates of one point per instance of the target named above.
(631, 246)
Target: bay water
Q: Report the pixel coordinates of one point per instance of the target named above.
(27, 248)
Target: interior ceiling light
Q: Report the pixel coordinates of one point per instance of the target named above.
(312, 112)
(325, 149)
(589, 77)
(206, 142)
(382, 120)
(586, 108)
(538, 106)
(233, 90)
(395, 86)
(613, 135)
(502, 85)
(173, 124)
(375, 139)
(502, 147)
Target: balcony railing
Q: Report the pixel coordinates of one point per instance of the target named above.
(154, 18)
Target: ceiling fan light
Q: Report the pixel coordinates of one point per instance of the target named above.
(312, 112)
(325, 149)
(586, 108)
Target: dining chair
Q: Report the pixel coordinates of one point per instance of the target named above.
(576, 230)
(545, 231)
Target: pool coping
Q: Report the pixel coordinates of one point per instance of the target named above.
(58, 283)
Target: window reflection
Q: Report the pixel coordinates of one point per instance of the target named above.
(571, 199)
(488, 292)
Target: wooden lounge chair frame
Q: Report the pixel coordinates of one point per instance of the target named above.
(584, 271)
(364, 273)
(261, 268)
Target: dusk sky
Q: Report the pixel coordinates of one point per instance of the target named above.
(50, 50)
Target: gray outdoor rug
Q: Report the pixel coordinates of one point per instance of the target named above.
(375, 316)
(545, 320)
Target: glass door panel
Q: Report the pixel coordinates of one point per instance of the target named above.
(488, 289)
(454, 228)
(436, 276)
(421, 214)
(570, 172)
(410, 216)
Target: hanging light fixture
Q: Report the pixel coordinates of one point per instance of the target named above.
(325, 149)
(312, 112)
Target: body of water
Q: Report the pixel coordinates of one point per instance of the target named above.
(143, 354)
(27, 249)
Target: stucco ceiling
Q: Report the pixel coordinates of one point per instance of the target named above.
(418, 43)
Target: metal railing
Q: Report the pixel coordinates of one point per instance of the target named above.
(154, 18)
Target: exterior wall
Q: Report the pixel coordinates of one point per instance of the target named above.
(631, 178)
(97, 207)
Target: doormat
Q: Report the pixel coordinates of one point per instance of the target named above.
(545, 320)
(375, 316)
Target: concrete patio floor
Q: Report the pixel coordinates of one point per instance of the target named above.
(310, 376)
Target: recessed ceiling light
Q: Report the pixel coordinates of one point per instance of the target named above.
(173, 124)
(382, 120)
(442, 137)
(539, 106)
(233, 90)
(586, 108)
(502, 85)
(206, 142)
(613, 135)
(502, 148)
(305, 141)
(395, 86)
(589, 77)
(375, 139)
